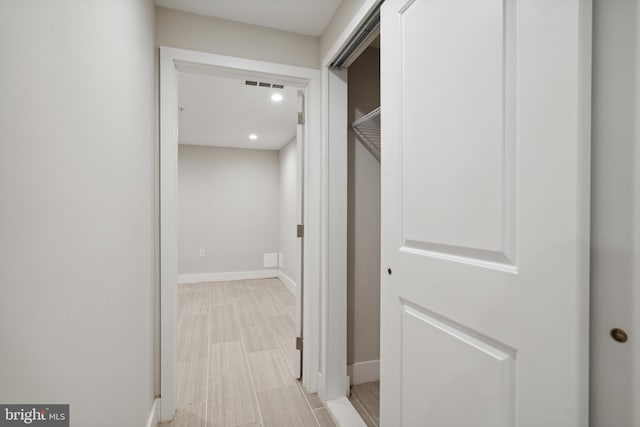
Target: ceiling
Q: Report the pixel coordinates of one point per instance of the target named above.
(222, 112)
(308, 17)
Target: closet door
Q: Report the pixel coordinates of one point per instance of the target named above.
(485, 180)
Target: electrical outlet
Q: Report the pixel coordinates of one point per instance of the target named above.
(201, 252)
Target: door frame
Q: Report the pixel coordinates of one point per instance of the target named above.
(333, 381)
(308, 80)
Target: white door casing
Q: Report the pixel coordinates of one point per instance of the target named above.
(485, 212)
(173, 60)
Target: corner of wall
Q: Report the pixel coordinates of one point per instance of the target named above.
(288, 281)
(154, 414)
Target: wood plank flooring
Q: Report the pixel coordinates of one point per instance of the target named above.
(366, 399)
(235, 358)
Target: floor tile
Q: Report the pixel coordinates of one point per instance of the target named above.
(236, 350)
(188, 416)
(324, 418)
(223, 325)
(285, 407)
(193, 338)
(259, 337)
(366, 399)
(231, 397)
(269, 370)
(192, 387)
(312, 398)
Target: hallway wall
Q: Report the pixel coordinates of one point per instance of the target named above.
(214, 35)
(77, 207)
(615, 214)
(345, 13)
(227, 205)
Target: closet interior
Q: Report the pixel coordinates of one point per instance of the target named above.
(363, 228)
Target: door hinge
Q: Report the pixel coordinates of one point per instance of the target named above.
(301, 118)
(298, 343)
(300, 230)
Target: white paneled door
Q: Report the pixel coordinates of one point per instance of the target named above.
(485, 177)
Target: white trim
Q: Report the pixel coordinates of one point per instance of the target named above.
(154, 414)
(309, 81)
(333, 381)
(333, 296)
(226, 276)
(364, 372)
(288, 281)
(168, 233)
(344, 413)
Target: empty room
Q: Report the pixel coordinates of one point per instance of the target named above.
(239, 255)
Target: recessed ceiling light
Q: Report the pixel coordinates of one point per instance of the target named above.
(253, 136)
(276, 97)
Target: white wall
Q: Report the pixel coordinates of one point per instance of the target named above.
(214, 35)
(77, 207)
(363, 224)
(343, 16)
(615, 231)
(228, 206)
(288, 243)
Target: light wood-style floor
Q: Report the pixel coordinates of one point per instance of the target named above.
(366, 399)
(235, 358)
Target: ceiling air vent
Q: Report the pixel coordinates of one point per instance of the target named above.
(263, 84)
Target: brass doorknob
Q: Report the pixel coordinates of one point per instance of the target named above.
(619, 335)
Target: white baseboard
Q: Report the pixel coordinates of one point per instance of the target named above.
(289, 283)
(344, 414)
(154, 414)
(223, 277)
(364, 372)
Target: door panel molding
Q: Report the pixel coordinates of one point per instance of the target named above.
(471, 376)
(474, 141)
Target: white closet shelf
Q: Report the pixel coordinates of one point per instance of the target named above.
(367, 128)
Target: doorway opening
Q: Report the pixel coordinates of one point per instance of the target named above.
(239, 258)
(232, 186)
(363, 233)
(353, 85)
